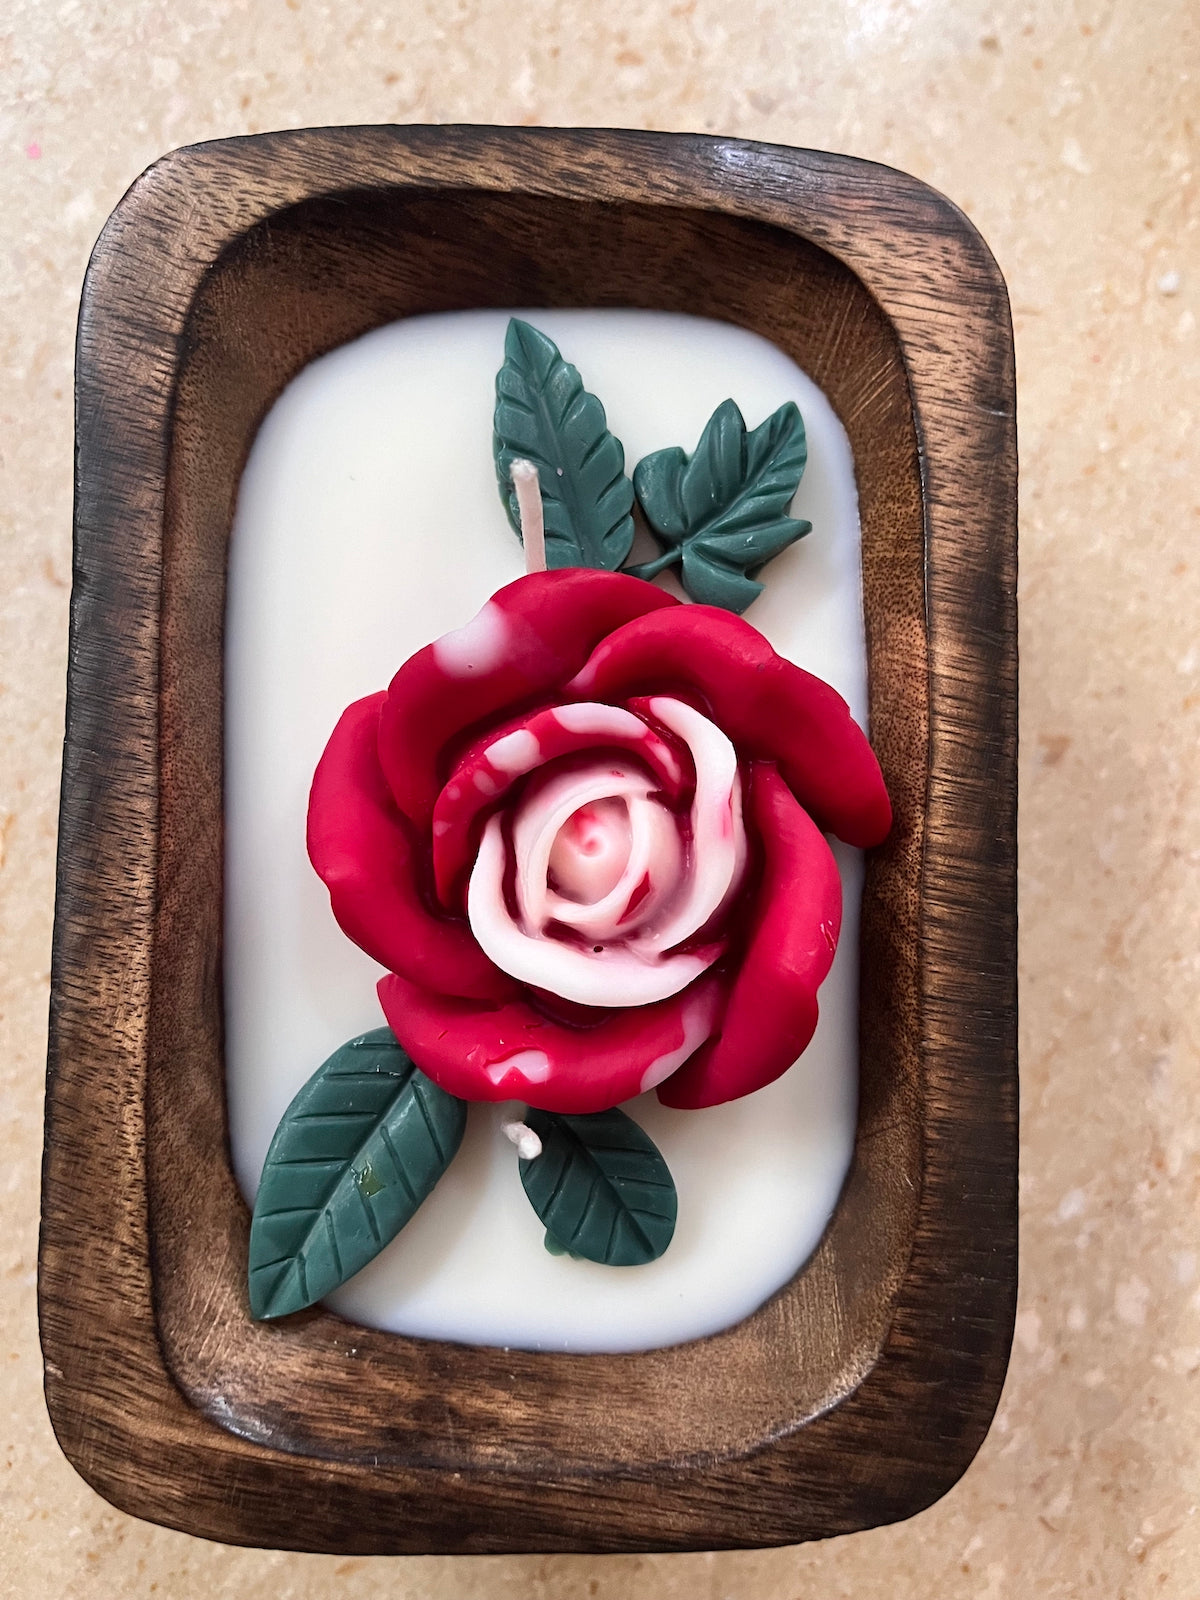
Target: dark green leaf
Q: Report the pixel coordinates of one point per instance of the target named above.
(545, 415)
(601, 1188)
(722, 512)
(357, 1151)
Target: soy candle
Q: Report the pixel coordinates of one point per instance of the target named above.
(367, 524)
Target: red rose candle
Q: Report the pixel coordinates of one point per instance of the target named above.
(593, 742)
(693, 948)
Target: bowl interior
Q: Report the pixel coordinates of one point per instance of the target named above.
(287, 291)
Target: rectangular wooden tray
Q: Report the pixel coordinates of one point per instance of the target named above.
(860, 1392)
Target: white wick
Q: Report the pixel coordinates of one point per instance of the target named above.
(529, 511)
(529, 1146)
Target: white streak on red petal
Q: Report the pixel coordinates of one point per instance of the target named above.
(527, 1066)
(518, 751)
(604, 722)
(590, 716)
(699, 1020)
(477, 647)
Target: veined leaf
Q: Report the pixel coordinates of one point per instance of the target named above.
(357, 1151)
(601, 1187)
(545, 415)
(722, 512)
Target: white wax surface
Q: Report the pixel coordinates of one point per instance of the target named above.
(368, 523)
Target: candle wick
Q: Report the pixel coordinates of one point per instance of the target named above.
(529, 512)
(529, 1146)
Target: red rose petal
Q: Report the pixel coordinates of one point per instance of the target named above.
(363, 850)
(772, 1009)
(478, 783)
(513, 1052)
(770, 708)
(530, 637)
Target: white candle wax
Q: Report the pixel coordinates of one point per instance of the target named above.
(369, 523)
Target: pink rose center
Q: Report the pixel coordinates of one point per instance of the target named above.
(591, 851)
(592, 886)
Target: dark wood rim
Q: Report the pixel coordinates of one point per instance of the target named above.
(911, 1426)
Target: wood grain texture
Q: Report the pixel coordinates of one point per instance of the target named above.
(859, 1392)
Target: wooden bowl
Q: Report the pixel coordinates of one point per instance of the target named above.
(860, 1392)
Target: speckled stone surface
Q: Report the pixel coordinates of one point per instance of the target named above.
(1068, 133)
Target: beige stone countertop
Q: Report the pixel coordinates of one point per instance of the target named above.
(1068, 133)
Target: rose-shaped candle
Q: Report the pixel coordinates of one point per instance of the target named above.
(585, 834)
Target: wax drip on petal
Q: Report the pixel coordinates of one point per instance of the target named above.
(513, 1052)
(525, 642)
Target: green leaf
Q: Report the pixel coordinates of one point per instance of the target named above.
(545, 415)
(357, 1151)
(722, 512)
(601, 1188)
